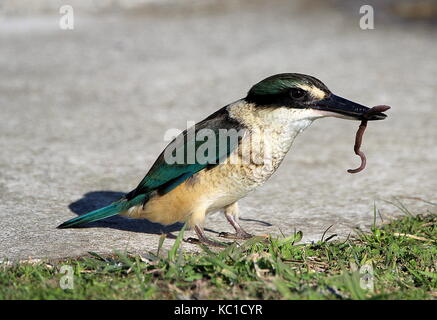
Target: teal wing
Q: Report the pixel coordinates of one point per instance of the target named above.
(204, 146)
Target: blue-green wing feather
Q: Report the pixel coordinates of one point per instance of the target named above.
(165, 176)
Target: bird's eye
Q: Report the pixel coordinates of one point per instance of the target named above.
(297, 94)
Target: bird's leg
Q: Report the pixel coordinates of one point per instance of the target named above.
(203, 239)
(240, 233)
(232, 213)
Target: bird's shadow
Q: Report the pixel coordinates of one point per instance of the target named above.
(97, 199)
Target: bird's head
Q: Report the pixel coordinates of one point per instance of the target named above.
(306, 95)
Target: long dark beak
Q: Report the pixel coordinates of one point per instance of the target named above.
(347, 108)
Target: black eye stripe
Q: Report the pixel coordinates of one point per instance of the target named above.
(294, 97)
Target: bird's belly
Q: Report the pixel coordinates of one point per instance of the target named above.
(229, 183)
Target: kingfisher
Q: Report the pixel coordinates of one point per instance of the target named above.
(241, 146)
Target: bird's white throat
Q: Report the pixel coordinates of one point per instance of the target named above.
(271, 131)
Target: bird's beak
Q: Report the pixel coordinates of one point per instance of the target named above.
(339, 107)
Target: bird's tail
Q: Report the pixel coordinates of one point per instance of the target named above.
(102, 213)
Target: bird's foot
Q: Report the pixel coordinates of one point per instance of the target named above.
(207, 242)
(241, 235)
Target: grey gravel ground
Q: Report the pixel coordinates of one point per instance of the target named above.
(84, 112)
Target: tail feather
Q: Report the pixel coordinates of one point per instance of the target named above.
(102, 213)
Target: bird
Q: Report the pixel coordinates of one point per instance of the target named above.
(240, 146)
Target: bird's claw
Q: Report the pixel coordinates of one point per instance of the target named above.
(206, 241)
(238, 235)
(192, 240)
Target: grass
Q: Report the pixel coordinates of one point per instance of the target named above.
(393, 261)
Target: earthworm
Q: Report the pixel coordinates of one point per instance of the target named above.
(360, 133)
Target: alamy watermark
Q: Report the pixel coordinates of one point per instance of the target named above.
(367, 21)
(207, 146)
(367, 276)
(66, 21)
(67, 280)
